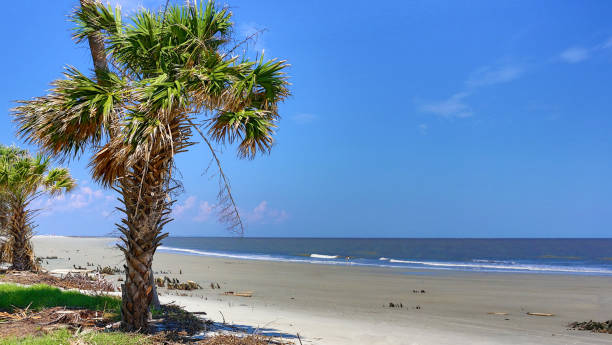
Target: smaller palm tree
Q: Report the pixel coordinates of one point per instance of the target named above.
(23, 178)
(7, 153)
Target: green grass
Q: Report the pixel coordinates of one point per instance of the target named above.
(45, 296)
(66, 337)
(55, 338)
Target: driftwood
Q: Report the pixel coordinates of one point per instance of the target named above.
(175, 284)
(240, 294)
(540, 314)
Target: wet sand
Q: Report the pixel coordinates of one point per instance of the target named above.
(329, 304)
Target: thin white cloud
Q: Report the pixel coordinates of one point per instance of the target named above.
(185, 206)
(83, 198)
(265, 215)
(304, 118)
(575, 55)
(454, 106)
(194, 210)
(491, 75)
(80, 198)
(578, 54)
(204, 211)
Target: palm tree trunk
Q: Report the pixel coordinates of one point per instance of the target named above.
(20, 233)
(146, 206)
(98, 55)
(96, 46)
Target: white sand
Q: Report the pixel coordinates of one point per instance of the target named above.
(344, 304)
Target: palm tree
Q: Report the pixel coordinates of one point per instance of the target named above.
(170, 72)
(6, 153)
(23, 178)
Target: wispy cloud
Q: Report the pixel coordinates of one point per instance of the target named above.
(265, 215)
(575, 54)
(579, 54)
(454, 106)
(204, 212)
(198, 211)
(186, 205)
(491, 75)
(188, 210)
(304, 118)
(83, 198)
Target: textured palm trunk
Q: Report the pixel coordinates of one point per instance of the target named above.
(145, 192)
(145, 197)
(96, 46)
(20, 233)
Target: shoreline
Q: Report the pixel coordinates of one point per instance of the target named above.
(487, 265)
(346, 304)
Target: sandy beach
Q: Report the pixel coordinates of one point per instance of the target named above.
(335, 304)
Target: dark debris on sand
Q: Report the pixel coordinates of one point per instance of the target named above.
(69, 281)
(22, 322)
(171, 326)
(593, 326)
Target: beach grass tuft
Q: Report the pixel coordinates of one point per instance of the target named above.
(64, 336)
(42, 296)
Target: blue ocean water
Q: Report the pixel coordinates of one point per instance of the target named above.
(563, 256)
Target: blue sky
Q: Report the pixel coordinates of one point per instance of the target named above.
(408, 119)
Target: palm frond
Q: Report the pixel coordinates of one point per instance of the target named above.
(93, 17)
(253, 128)
(58, 180)
(23, 177)
(76, 113)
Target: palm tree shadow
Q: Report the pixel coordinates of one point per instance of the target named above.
(250, 330)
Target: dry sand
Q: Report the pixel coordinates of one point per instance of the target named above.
(349, 305)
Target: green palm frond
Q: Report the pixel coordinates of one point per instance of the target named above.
(76, 113)
(253, 128)
(58, 180)
(23, 176)
(92, 18)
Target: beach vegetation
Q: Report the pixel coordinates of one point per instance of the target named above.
(23, 178)
(158, 76)
(65, 336)
(37, 297)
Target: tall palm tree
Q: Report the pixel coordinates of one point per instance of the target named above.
(23, 178)
(170, 72)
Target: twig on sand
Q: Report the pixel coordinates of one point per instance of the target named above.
(540, 314)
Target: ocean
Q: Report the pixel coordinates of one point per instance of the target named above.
(543, 256)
